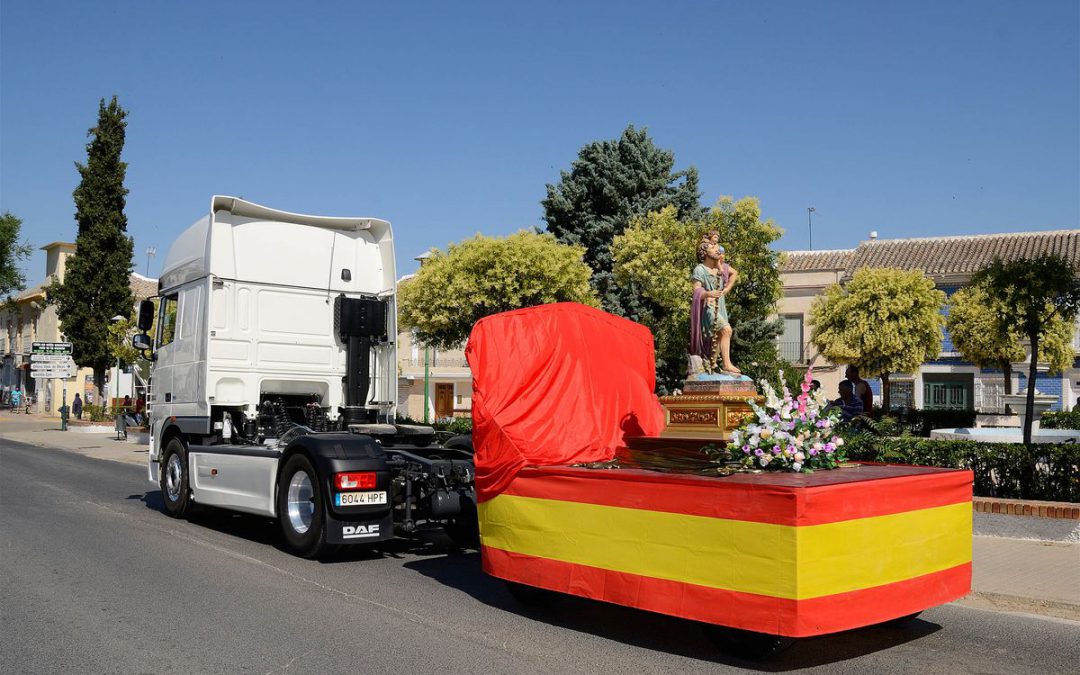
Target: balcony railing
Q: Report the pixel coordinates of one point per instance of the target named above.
(796, 352)
(436, 361)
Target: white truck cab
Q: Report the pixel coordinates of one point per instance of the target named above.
(274, 380)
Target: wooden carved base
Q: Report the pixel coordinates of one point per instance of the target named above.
(706, 416)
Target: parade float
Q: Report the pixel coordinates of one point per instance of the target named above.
(581, 492)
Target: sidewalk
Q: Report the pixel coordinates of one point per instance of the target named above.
(45, 432)
(1020, 563)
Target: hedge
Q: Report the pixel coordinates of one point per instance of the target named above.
(1060, 420)
(1047, 471)
(922, 422)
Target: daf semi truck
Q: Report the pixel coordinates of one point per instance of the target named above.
(274, 383)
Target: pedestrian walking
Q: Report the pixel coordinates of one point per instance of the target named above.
(16, 399)
(76, 406)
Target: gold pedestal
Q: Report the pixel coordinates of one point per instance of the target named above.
(711, 416)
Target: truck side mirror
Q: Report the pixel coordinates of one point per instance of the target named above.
(146, 316)
(141, 341)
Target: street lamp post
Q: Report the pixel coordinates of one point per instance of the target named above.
(116, 382)
(810, 225)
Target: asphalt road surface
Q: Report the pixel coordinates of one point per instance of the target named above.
(96, 579)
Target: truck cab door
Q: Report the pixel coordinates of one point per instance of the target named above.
(164, 364)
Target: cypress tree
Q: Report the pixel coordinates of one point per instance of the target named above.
(96, 283)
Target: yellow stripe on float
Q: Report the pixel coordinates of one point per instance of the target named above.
(775, 560)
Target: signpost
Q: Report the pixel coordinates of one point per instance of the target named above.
(50, 360)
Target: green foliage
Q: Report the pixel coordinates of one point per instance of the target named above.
(982, 330)
(11, 252)
(656, 255)
(96, 413)
(920, 422)
(610, 183)
(96, 284)
(486, 275)
(1060, 419)
(120, 334)
(1036, 293)
(883, 321)
(1049, 471)
(456, 426)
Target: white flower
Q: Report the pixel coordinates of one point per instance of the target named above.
(797, 466)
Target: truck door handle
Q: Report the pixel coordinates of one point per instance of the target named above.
(168, 397)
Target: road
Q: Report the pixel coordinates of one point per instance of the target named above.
(96, 579)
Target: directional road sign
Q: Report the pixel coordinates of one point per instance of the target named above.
(52, 374)
(51, 358)
(51, 348)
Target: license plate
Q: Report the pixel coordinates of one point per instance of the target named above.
(359, 498)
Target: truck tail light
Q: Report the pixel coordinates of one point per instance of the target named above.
(355, 480)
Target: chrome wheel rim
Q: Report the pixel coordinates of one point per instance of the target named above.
(173, 474)
(301, 502)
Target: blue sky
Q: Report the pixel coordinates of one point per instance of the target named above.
(912, 119)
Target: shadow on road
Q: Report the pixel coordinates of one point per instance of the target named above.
(262, 530)
(658, 632)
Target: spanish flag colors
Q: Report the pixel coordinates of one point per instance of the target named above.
(787, 554)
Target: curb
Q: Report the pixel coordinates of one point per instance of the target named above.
(1016, 603)
(1026, 507)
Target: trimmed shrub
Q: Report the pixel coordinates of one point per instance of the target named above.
(1048, 471)
(922, 422)
(1060, 420)
(97, 413)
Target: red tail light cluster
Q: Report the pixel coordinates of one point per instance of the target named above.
(355, 480)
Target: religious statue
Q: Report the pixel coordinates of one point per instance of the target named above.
(710, 330)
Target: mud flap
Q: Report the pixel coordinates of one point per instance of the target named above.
(359, 531)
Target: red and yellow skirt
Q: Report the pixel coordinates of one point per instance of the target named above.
(786, 554)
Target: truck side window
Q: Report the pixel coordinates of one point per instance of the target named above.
(167, 320)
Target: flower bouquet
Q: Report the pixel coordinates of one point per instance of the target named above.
(789, 433)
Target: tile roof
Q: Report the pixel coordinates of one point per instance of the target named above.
(142, 287)
(939, 256)
(808, 261)
(965, 255)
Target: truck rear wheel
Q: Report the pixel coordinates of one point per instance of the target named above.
(174, 479)
(300, 508)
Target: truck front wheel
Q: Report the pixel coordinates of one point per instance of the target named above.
(174, 479)
(300, 508)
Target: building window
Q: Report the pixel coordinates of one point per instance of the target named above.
(790, 342)
(945, 396)
(902, 393)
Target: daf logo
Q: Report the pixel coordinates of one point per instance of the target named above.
(358, 531)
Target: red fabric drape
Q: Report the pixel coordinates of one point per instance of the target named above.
(557, 384)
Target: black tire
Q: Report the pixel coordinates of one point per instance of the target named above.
(531, 596)
(175, 488)
(464, 530)
(304, 532)
(751, 645)
(901, 621)
(463, 443)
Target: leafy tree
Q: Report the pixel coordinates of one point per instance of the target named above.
(883, 321)
(656, 254)
(977, 331)
(487, 275)
(1036, 292)
(11, 252)
(610, 183)
(96, 283)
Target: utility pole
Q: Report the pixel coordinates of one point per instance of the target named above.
(810, 225)
(427, 378)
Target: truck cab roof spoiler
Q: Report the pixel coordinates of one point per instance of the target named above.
(243, 208)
